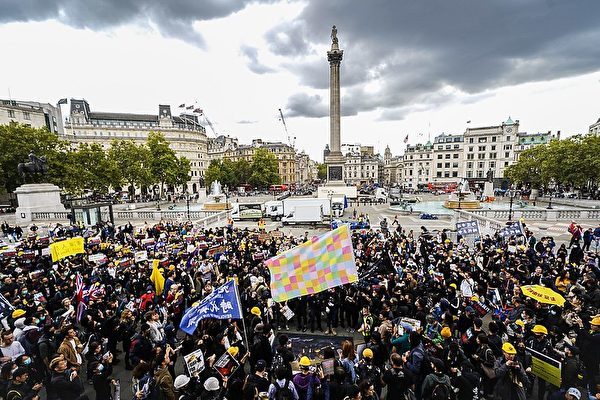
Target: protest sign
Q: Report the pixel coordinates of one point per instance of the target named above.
(545, 368)
(98, 258)
(66, 248)
(141, 256)
(328, 366)
(194, 362)
(287, 312)
(226, 365)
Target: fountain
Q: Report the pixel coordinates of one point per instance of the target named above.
(217, 200)
(462, 198)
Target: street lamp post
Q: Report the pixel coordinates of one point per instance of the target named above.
(187, 200)
(511, 194)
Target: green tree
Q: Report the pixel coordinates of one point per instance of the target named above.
(322, 171)
(16, 141)
(163, 161)
(213, 172)
(242, 171)
(180, 175)
(265, 169)
(133, 162)
(97, 171)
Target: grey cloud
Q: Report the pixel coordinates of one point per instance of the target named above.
(172, 18)
(246, 122)
(251, 53)
(413, 50)
(288, 39)
(304, 105)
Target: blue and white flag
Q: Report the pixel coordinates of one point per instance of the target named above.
(514, 229)
(222, 303)
(467, 228)
(5, 305)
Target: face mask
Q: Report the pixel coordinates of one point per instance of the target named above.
(100, 368)
(27, 362)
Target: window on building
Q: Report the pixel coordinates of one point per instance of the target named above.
(471, 140)
(454, 174)
(439, 174)
(447, 165)
(492, 164)
(26, 115)
(439, 165)
(471, 148)
(493, 138)
(492, 155)
(481, 164)
(480, 174)
(482, 140)
(507, 154)
(506, 163)
(455, 155)
(470, 156)
(469, 174)
(481, 156)
(456, 146)
(455, 165)
(448, 147)
(470, 165)
(440, 156)
(481, 148)
(447, 156)
(447, 174)
(11, 114)
(508, 138)
(440, 147)
(493, 148)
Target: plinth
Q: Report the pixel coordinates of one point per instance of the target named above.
(37, 197)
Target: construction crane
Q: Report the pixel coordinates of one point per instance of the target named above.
(203, 114)
(291, 140)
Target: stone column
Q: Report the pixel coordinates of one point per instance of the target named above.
(334, 56)
(334, 159)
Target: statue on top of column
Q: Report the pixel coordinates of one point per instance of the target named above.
(334, 38)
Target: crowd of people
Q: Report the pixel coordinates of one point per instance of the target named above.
(429, 318)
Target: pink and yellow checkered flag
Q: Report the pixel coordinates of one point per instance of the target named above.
(314, 266)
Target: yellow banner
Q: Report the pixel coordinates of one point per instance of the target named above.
(545, 367)
(66, 248)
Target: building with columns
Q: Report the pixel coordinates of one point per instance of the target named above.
(184, 133)
(417, 168)
(448, 157)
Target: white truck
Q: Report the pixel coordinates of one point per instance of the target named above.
(246, 211)
(304, 214)
(276, 209)
(325, 192)
(381, 195)
(338, 206)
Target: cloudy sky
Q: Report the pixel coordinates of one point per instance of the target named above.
(416, 68)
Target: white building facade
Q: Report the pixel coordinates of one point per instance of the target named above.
(184, 134)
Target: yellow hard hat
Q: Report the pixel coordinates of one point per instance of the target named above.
(233, 351)
(446, 332)
(453, 285)
(509, 348)
(305, 362)
(368, 353)
(540, 329)
(520, 323)
(474, 298)
(255, 311)
(595, 321)
(18, 313)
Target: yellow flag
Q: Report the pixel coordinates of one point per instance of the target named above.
(157, 278)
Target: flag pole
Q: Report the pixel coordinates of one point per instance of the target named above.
(237, 295)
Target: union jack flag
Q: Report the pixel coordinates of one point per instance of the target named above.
(84, 294)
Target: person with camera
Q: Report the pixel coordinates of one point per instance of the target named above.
(308, 380)
(511, 378)
(65, 382)
(18, 389)
(398, 379)
(162, 377)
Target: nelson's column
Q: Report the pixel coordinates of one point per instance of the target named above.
(335, 159)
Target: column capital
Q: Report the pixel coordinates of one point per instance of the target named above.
(335, 57)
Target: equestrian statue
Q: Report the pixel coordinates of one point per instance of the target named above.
(35, 165)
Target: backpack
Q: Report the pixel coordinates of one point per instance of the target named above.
(283, 392)
(425, 365)
(441, 391)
